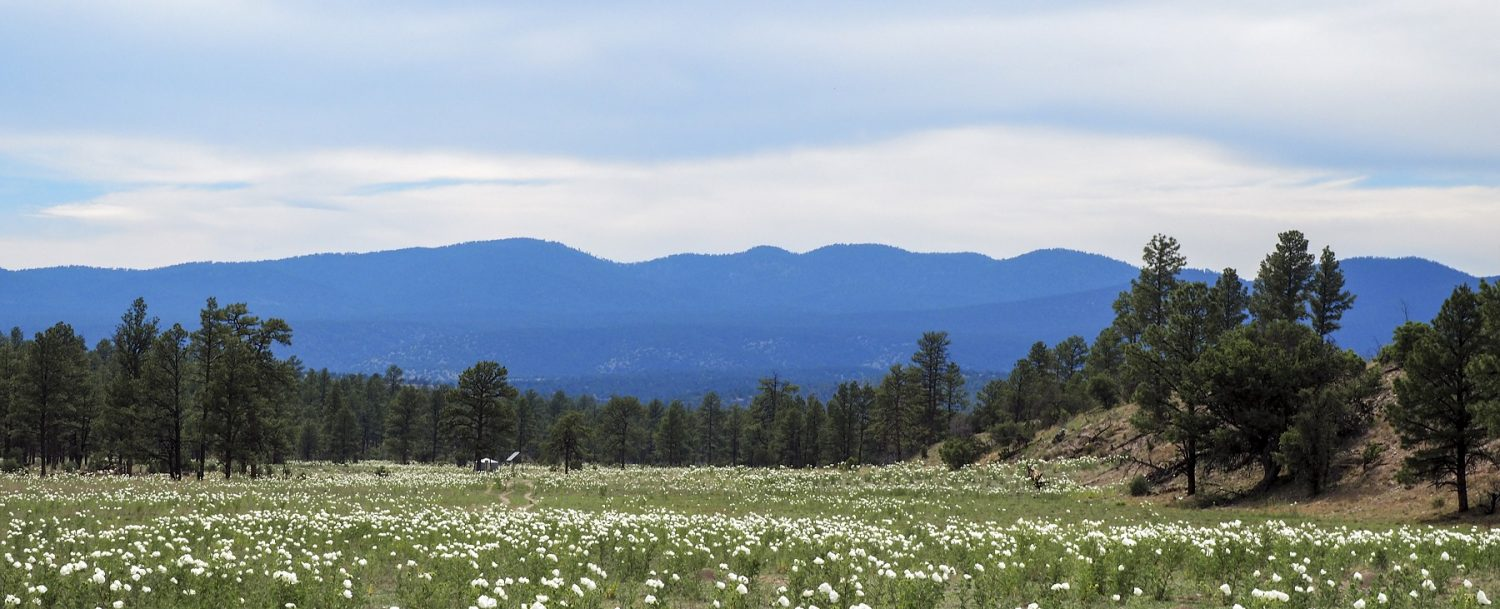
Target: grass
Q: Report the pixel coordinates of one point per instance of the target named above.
(901, 536)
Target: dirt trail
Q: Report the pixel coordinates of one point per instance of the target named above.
(528, 497)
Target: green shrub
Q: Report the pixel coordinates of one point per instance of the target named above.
(958, 452)
(1139, 486)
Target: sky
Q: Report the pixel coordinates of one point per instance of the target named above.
(146, 133)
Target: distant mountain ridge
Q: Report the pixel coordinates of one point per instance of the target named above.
(557, 316)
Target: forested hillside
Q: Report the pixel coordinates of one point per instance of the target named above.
(673, 327)
(1229, 374)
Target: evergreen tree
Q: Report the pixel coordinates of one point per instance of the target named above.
(1439, 401)
(1258, 378)
(1145, 304)
(248, 377)
(12, 350)
(54, 381)
(954, 397)
(786, 433)
(672, 439)
(1327, 299)
(401, 423)
(711, 429)
(125, 415)
(343, 428)
(1071, 356)
(208, 347)
(621, 427)
(760, 426)
(812, 433)
(1103, 367)
(481, 409)
(528, 421)
(1169, 393)
(897, 402)
(655, 410)
(168, 392)
(1228, 302)
(437, 411)
(734, 434)
(1281, 286)
(931, 363)
(566, 440)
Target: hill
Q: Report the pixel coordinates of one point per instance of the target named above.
(558, 317)
(1363, 484)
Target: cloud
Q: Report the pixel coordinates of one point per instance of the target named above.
(1370, 86)
(999, 190)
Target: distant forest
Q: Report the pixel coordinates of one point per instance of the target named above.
(1230, 375)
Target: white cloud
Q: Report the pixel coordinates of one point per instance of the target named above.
(996, 190)
(1384, 84)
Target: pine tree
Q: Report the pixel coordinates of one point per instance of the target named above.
(1145, 304)
(1438, 410)
(931, 364)
(1164, 361)
(711, 429)
(343, 428)
(54, 381)
(1327, 299)
(672, 440)
(786, 433)
(1228, 302)
(401, 423)
(621, 427)
(437, 411)
(168, 392)
(734, 434)
(125, 415)
(896, 409)
(11, 353)
(812, 433)
(481, 409)
(1281, 286)
(760, 425)
(566, 440)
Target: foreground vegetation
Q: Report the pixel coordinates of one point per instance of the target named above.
(896, 536)
(1230, 377)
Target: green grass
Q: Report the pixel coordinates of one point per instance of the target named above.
(900, 536)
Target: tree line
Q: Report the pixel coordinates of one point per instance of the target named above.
(1229, 375)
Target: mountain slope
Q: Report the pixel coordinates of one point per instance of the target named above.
(550, 312)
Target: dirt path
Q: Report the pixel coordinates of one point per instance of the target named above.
(528, 497)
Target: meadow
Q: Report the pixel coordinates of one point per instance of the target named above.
(382, 535)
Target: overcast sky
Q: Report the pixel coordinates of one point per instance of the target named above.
(143, 133)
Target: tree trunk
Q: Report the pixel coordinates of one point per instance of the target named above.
(42, 437)
(203, 440)
(1461, 480)
(1192, 465)
(1269, 470)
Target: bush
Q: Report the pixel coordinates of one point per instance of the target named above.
(1140, 486)
(1010, 434)
(1371, 455)
(958, 452)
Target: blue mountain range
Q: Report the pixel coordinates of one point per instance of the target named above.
(675, 326)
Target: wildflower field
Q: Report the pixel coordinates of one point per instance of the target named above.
(899, 536)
